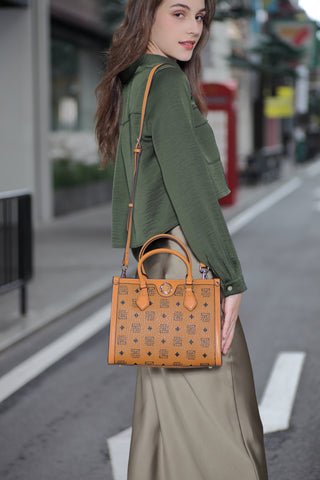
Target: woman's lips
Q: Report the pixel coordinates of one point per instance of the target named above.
(187, 45)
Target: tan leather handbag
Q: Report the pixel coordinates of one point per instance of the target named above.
(163, 322)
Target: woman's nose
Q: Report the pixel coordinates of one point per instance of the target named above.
(194, 27)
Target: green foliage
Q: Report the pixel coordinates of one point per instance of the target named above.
(233, 9)
(113, 12)
(273, 51)
(271, 56)
(69, 173)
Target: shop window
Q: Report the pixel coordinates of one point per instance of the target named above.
(65, 86)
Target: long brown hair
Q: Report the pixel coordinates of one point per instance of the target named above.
(129, 42)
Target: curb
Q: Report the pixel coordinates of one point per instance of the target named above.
(52, 314)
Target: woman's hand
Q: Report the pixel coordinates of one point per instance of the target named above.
(230, 311)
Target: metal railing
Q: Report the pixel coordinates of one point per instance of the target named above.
(16, 245)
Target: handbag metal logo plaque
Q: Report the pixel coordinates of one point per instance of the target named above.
(166, 288)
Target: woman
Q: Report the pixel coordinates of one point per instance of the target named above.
(196, 423)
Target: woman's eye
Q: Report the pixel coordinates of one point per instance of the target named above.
(199, 18)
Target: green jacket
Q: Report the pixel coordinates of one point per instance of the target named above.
(180, 178)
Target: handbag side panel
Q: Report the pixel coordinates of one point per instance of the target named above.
(113, 320)
(217, 316)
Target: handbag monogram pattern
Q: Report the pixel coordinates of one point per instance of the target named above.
(163, 322)
(165, 333)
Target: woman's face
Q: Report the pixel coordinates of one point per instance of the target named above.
(177, 28)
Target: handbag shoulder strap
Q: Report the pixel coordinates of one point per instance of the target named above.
(137, 154)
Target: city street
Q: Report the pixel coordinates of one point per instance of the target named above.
(57, 425)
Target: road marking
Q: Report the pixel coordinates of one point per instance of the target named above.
(316, 206)
(316, 193)
(316, 201)
(251, 213)
(119, 446)
(48, 356)
(280, 392)
(313, 169)
(275, 408)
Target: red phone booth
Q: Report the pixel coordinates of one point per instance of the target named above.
(220, 99)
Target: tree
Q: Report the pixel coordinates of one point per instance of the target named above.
(113, 12)
(233, 10)
(271, 57)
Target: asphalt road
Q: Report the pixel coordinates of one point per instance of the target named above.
(56, 427)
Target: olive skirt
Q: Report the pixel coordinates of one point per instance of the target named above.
(196, 424)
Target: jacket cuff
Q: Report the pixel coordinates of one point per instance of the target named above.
(233, 287)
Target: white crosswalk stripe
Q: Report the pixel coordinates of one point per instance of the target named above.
(279, 395)
(119, 447)
(38, 363)
(275, 408)
(26, 371)
(275, 414)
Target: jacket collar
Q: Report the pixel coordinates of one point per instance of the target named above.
(149, 60)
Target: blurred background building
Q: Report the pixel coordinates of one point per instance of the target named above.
(52, 57)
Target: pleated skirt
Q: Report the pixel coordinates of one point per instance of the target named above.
(196, 424)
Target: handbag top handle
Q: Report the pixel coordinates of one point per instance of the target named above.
(137, 155)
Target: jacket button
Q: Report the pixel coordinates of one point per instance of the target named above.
(229, 288)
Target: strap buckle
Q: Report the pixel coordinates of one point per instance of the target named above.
(124, 269)
(138, 147)
(204, 271)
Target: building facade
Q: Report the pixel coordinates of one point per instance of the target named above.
(51, 58)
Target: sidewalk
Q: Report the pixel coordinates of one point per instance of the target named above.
(74, 261)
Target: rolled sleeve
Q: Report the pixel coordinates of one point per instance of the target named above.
(187, 179)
